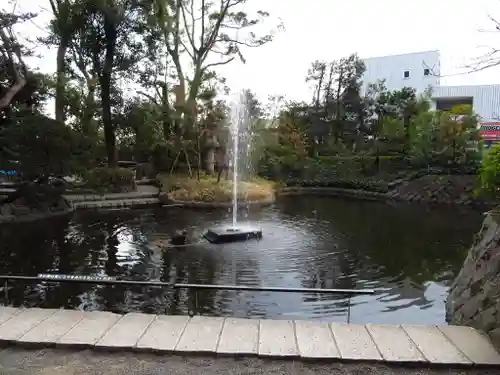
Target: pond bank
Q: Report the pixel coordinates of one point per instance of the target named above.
(144, 196)
(473, 296)
(437, 189)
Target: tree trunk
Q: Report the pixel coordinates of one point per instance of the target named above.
(88, 128)
(190, 113)
(406, 126)
(61, 80)
(11, 92)
(210, 161)
(166, 113)
(109, 131)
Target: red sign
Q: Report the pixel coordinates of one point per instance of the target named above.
(490, 131)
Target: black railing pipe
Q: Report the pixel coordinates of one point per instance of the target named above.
(107, 280)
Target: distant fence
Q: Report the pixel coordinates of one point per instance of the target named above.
(107, 280)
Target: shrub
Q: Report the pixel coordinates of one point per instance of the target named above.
(489, 174)
(116, 180)
(207, 189)
(34, 145)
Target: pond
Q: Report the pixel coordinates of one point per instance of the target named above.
(409, 254)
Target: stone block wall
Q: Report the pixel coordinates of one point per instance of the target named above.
(474, 298)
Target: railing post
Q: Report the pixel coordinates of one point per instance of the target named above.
(196, 307)
(349, 309)
(5, 293)
(194, 310)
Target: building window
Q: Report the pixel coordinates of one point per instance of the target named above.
(406, 74)
(427, 72)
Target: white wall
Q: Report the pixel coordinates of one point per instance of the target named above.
(485, 98)
(392, 68)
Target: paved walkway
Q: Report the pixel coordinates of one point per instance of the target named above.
(448, 345)
(48, 361)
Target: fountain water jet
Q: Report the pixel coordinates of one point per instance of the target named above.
(239, 121)
(236, 119)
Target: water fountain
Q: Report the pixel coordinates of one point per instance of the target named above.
(236, 232)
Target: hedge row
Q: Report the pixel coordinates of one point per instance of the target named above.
(115, 180)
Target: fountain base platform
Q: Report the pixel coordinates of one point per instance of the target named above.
(222, 235)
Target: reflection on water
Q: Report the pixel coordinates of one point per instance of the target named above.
(408, 254)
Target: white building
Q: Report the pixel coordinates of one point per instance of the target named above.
(422, 70)
(418, 70)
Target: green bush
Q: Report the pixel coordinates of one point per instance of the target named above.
(35, 145)
(115, 180)
(489, 174)
(333, 168)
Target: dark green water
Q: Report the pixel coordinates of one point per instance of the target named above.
(408, 254)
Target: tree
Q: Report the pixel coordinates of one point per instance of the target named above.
(458, 134)
(337, 100)
(316, 75)
(25, 133)
(107, 43)
(68, 18)
(203, 29)
(14, 74)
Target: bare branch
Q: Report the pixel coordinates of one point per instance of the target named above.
(11, 48)
(186, 25)
(218, 63)
(150, 97)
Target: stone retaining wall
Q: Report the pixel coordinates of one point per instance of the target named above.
(12, 213)
(116, 203)
(447, 189)
(166, 198)
(334, 192)
(474, 297)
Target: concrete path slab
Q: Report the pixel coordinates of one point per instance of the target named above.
(201, 335)
(126, 332)
(21, 323)
(7, 312)
(394, 344)
(239, 336)
(435, 347)
(277, 338)
(354, 342)
(164, 333)
(53, 328)
(315, 340)
(475, 345)
(90, 329)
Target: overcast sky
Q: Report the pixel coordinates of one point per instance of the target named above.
(330, 29)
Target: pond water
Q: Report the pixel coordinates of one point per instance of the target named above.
(409, 254)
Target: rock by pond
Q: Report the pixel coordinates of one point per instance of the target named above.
(35, 200)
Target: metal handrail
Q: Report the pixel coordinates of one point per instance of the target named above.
(348, 292)
(108, 280)
(275, 289)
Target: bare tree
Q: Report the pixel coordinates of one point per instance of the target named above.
(11, 58)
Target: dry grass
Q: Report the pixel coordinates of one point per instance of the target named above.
(184, 188)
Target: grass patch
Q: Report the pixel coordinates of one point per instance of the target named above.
(189, 189)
